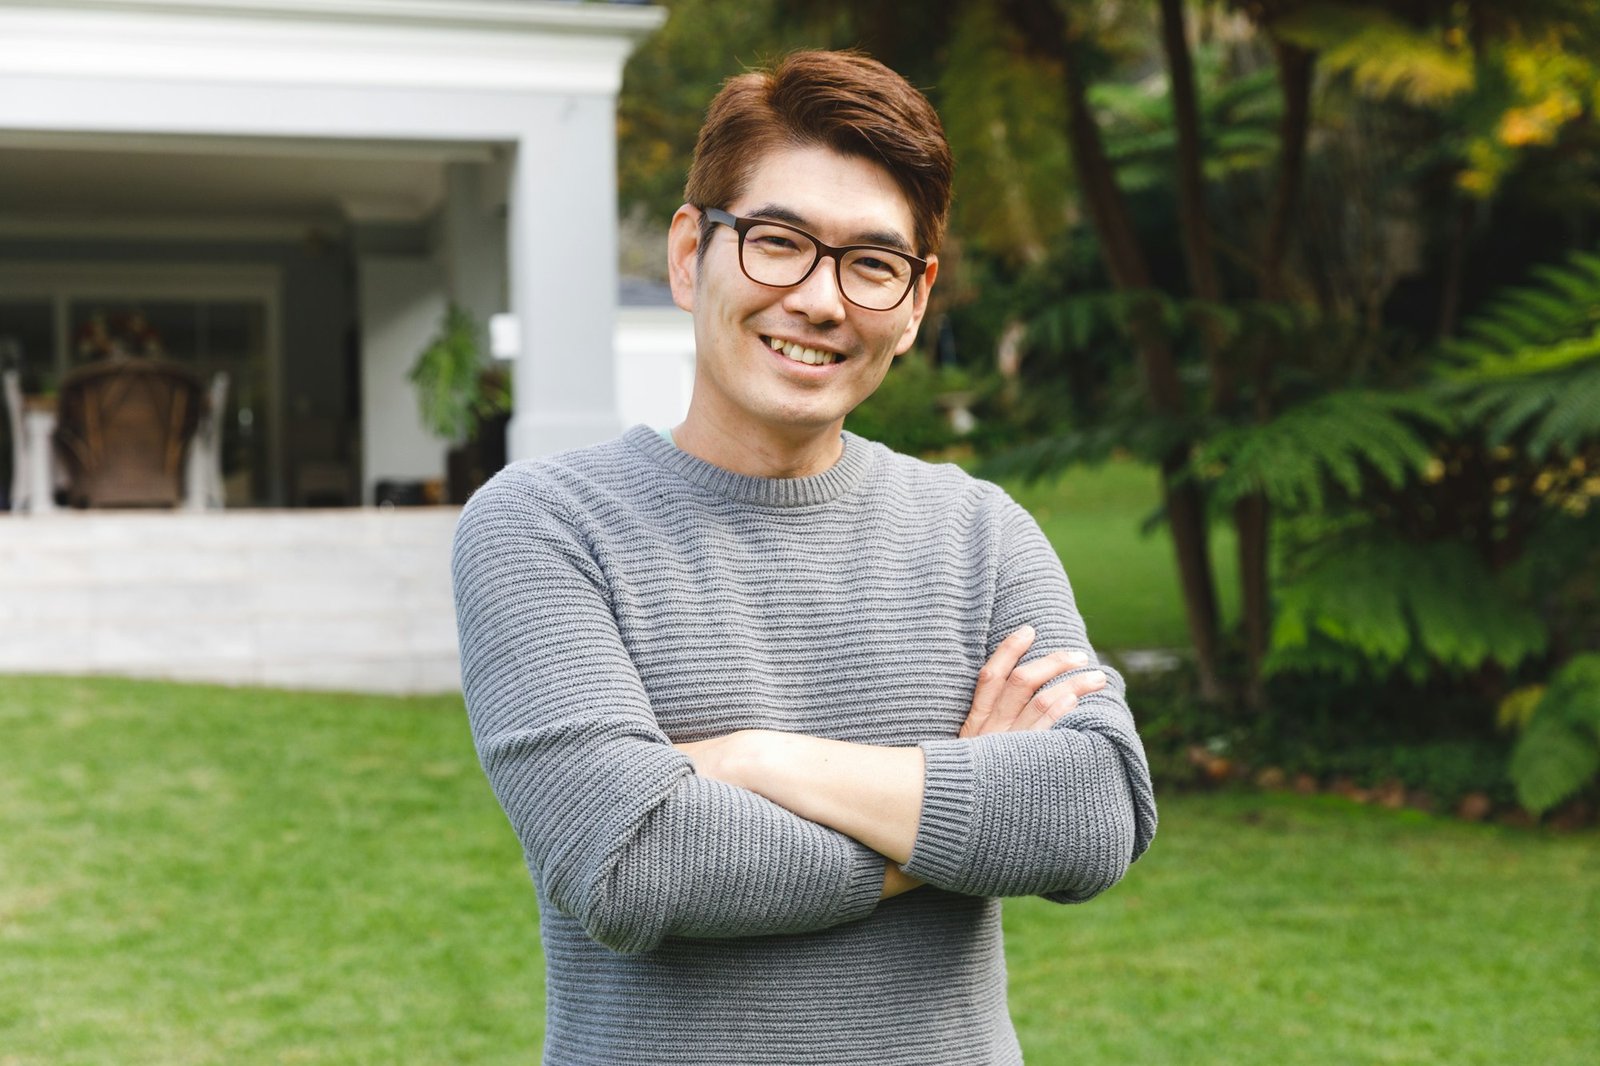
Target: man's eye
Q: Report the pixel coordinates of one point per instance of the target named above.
(877, 268)
(772, 243)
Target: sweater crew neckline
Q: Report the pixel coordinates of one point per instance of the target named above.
(834, 482)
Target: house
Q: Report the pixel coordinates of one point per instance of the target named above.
(292, 192)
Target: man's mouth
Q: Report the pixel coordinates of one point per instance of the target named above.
(801, 354)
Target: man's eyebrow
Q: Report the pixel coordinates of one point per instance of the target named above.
(884, 238)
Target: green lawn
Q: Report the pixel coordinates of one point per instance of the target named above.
(1126, 581)
(205, 875)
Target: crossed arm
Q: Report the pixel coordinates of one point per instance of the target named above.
(874, 794)
(637, 839)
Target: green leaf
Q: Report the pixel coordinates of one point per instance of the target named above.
(449, 376)
(1573, 417)
(1574, 693)
(1528, 371)
(1396, 603)
(1571, 282)
(1552, 761)
(1559, 752)
(1383, 55)
(1334, 440)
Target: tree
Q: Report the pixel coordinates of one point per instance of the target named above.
(1300, 162)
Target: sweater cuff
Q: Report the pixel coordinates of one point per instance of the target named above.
(864, 888)
(945, 828)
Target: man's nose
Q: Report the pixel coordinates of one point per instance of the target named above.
(818, 297)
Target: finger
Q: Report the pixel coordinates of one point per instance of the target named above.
(1045, 709)
(1086, 682)
(1050, 705)
(1027, 680)
(992, 678)
(1044, 670)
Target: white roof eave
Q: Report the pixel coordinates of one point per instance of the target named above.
(627, 20)
(493, 45)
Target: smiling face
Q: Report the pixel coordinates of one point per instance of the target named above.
(780, 368)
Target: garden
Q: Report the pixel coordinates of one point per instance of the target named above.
(198, 875)
(1283, 319)
(1326, 277)
(206, 875)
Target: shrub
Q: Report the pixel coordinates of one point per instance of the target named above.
(1559, 752)
(909, 411)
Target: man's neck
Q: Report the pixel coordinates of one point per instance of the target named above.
(760, 451)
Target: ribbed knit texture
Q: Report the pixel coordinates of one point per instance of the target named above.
(616, 599)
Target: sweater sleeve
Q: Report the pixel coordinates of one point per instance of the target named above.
(1059, 813)
(619, 832)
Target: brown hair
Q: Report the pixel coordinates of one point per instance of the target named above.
(845, 101)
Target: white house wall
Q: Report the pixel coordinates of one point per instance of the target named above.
(402, 302)
(655, 365)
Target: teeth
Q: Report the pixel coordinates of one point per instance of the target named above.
(801, 354)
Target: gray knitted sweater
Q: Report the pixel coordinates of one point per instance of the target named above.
(616, 599)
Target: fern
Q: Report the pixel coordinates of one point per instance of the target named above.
(1559, 753)
(1145, 437)
(1335, 440)
(1382, 54)
(1400, 607)
(1527, 367)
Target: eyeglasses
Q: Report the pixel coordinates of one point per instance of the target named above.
(782, 256)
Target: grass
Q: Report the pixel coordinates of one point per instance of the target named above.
(1126, 581)
(204, 875)
(1287, 929)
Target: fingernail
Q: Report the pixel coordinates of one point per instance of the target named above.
(1025, 631)
(1095, 677)
(1077, 658)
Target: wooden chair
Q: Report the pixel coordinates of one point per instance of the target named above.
(123, 428)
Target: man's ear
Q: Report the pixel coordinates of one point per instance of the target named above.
(919, 305)
(683, 255)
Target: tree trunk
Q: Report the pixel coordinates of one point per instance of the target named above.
(1253, 513)
(1191, 178)
(1295, 69)
(1043, 27)
(1252, 518)
(1194, 227)
(1455, 268)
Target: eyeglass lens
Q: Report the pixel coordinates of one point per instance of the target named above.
(875, 278)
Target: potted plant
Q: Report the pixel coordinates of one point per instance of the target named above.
(465, 400)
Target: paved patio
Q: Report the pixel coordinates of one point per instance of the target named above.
(355, 600)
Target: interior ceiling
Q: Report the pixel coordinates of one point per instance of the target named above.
(67, 177)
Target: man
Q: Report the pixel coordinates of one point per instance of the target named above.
(769, 706)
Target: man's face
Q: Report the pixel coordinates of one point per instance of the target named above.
(742, 382)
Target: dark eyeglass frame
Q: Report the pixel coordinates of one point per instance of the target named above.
(742, 225)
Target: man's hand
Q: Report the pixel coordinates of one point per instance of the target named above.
(870, 793)
(728, 758)
(874, 793)
(1011, 698)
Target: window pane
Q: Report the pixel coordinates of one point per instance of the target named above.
(27, 335)
(133, 327)
(234, 331)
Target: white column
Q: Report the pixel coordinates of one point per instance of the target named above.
(40, 426)
(472, 244)
(402, 305)
(563, 255)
